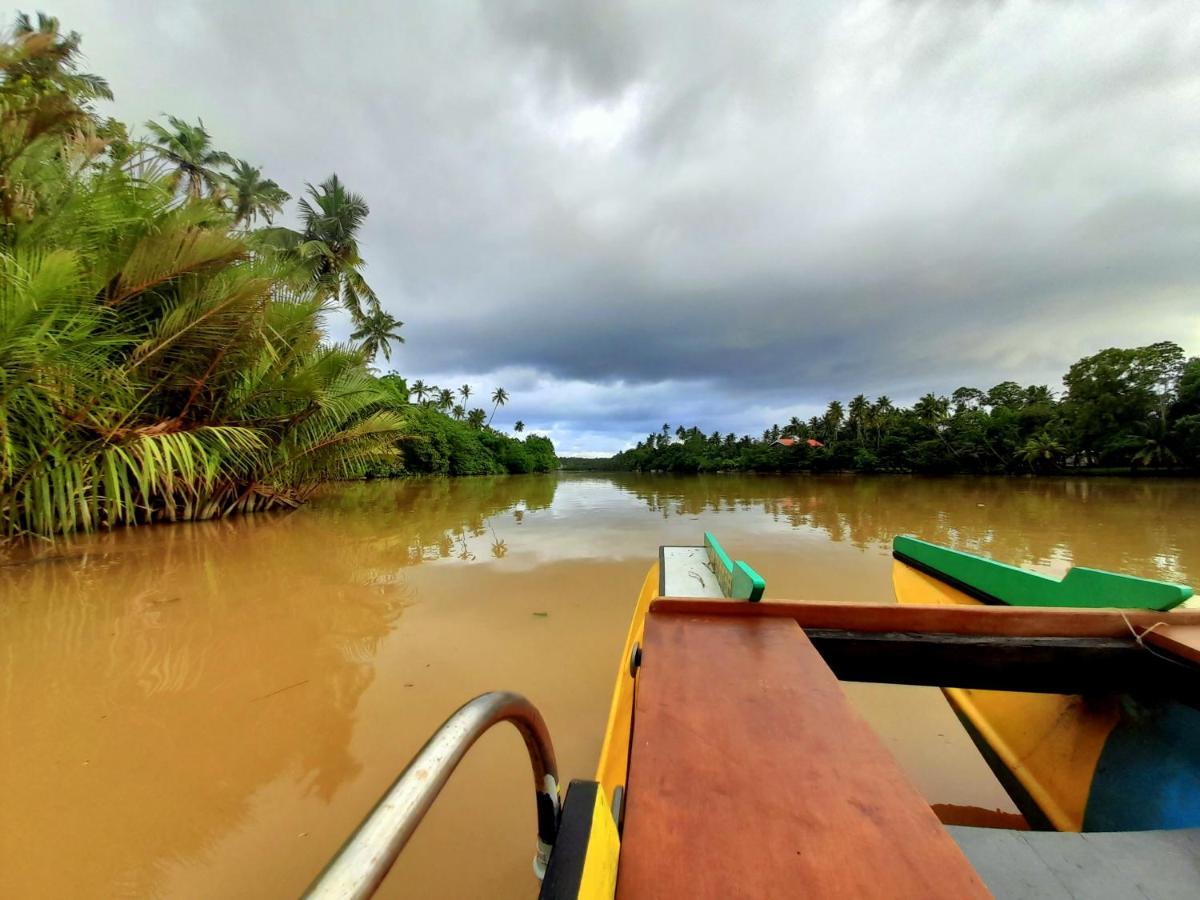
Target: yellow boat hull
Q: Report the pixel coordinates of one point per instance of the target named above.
(1050, 743)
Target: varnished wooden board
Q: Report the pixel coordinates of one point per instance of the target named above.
(752, 776)
(1181, 640)
(979, 620)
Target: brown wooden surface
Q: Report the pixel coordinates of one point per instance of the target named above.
(1181, 640)
(1021, 621)
(752, 776)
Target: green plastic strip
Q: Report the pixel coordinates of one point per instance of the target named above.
(1002, 583)
(738, 581)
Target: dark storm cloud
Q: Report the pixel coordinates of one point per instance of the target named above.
(626, 212)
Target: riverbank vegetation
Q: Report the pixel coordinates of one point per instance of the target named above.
(163, 353)
(1123, 409)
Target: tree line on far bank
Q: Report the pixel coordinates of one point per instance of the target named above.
(1123, 409)
(163, 353)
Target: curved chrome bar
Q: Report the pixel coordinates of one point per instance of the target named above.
(364, 860)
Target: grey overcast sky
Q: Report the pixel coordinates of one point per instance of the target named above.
(715, 213)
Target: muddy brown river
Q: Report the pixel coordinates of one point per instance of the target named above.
(208, 710)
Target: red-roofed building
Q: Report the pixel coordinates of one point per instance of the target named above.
(791, 442)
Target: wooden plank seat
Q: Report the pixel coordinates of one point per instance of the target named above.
(752, 776)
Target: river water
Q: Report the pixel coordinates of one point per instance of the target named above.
(208, 710)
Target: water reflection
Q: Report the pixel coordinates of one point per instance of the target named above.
(1140, 526)
(209, 708)
(154, 679)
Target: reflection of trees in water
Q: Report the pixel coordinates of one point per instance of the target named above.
(192, 665)
(1141, 526)
(429, 519)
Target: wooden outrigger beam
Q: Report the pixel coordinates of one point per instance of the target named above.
(996, 621)
(1059, 651)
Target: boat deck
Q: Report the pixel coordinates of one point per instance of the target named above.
(1048, 865)
(771, 785)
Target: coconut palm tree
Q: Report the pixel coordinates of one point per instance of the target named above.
(376, 331)
(188, 149)
(419, 390)
(858, 415)
(326, 246)
(43, 59)
(458, 412)
(465, 392)
(476, 417)
(931, 410)
(518, 426)
(445, 399)
(834, 416)
(252, 195)
(1041, 450)
(499, 398)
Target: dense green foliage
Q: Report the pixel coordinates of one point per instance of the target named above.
(1121, 408)
(159, 359)
(437, 444)
(586, 464)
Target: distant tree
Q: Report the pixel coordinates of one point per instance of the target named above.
(1037, 394)
(1007, 394)
(857, 410)
(458, 412)
(931, 410)
(419, 390)
(965, 398)
(252, 195)
(499, 398)
(1042, 451)
(188, 149)
(834, 416)
(445, 399)
(325, 247)
(465, 392)
(476, 418)
(375, 333)
(518, 426)
(332, 217)
(1113, 393)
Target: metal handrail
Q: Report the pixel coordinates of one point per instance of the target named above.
(365, 859)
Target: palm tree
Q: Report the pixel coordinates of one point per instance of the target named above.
(376, 331)
(445, 399)
(1038, 394)
(476, 417)
(1154, 452)
(882, 413)
(458, 412)
(833, 418)
(1041, 450)
(858, 415)
(465, 392)
(328, 243)
(420, 389)
(44, 59)
(931, 410)
(253, 195)
(499, 398)
(519, 426)
(188, 148)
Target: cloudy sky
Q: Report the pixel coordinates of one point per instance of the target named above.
(708, 212)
